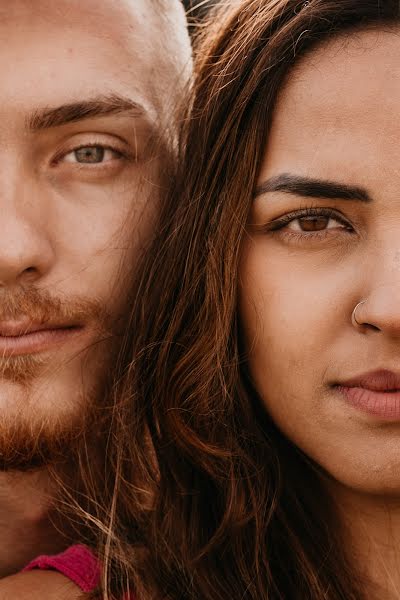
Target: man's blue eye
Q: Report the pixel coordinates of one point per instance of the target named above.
(90, 154)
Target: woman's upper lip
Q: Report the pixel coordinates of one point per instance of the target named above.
(381, 380)
(26, 326)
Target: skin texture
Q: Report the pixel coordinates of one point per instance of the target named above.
(73, 230)
(37, 585)
(337, 120)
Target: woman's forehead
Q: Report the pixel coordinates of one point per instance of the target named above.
(340, 101)
(358, 69)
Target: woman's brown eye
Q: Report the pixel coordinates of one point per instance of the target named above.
(317, 223)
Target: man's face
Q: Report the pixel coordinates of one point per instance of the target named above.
(85, 94)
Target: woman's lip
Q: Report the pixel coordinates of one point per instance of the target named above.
(36, 341)
(385, 405)
(381, 380)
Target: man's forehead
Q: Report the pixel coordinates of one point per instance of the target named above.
(159, 24)
(128, 43)
(114, 20)
(123, 14)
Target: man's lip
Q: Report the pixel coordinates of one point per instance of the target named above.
(24, 327)
(36, 340)
(382, 380)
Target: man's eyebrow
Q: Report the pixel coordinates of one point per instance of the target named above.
(72, 112)
(312, 188)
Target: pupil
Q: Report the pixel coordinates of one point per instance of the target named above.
(94, 154)
(314, 223)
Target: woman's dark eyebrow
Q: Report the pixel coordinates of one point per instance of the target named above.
(312, 188)
(72, 112)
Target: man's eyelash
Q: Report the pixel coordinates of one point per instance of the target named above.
(62, 154)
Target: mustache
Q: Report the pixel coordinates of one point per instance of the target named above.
(40, 306)
(35, 306)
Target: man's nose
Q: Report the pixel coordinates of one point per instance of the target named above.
(26, 252)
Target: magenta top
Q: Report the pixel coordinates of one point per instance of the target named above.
(77, 563)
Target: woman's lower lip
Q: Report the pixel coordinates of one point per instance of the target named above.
(385, 405)
(35, 341)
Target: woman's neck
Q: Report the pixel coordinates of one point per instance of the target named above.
(371, 533)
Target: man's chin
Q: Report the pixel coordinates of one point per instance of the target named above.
(21, 370)
(24, 449)
(38, 430)
(49, 405)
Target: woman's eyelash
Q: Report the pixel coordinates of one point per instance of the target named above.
(281, 222)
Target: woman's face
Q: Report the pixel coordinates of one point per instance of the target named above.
(338, 122)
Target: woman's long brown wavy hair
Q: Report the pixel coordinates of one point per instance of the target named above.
(208, 500)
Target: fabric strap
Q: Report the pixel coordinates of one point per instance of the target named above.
(77, 563)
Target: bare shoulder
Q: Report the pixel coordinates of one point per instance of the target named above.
(39, 585)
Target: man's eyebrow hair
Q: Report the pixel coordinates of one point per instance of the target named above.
(72, 112)
(312, 188)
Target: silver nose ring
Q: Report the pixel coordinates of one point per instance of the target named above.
(353, 315)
